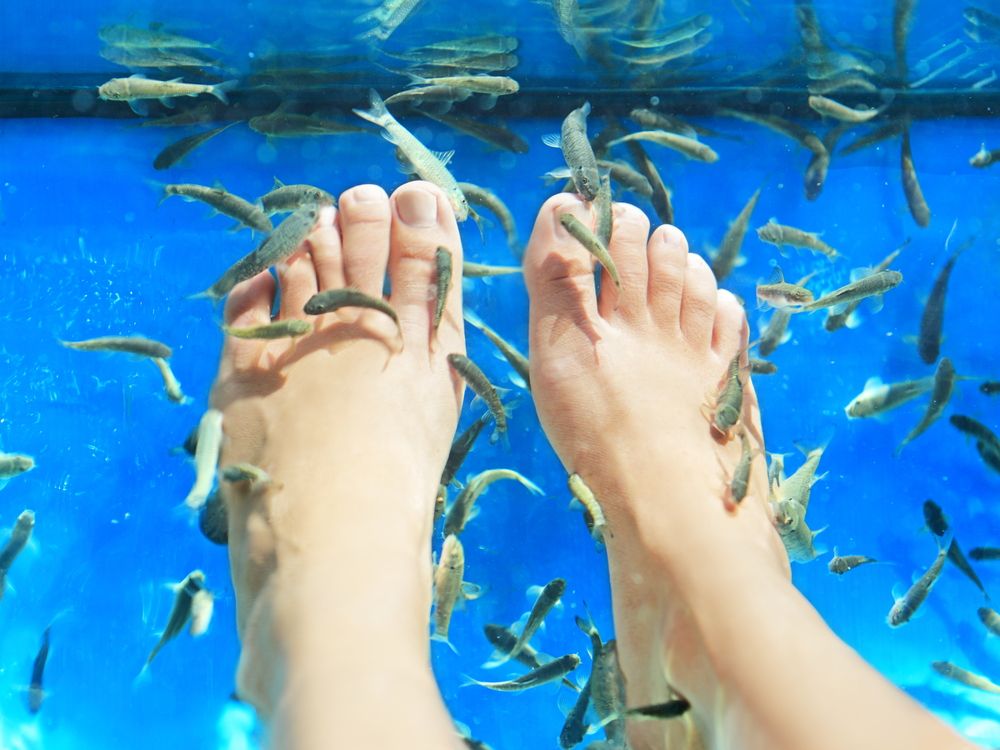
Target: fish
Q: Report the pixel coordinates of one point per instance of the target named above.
(577, 152)
(985, 553)
(782, 295)
(667, 710)
(775, 332)
(831, 108)
(941, 390)
(990, 454)
(956, 557)
(762, 366)
(625, 175)
(493, 135)
(424, 94)
(213, 519)
(224, 202)
(838, 319)
(479, 270)
(514, 358)
(282, 124)
(171, 385)
(278, 329)
(134, 37)
(669, 53)
(244, 472)
(482, 45)
(180, 613)
(461, 510)
(803, 136)
(872, 285)
(549, 672)
(990, 618)
(12, 464)
(605, 212)
(902, 19)
(36, 693)
(932, 319)
(174, 152)
(847, 80)
(139, 345)
(889, 130)
(728, 405)
(607, 685)
(145, 57)
(390, 15)
(983, 158)
(842, 564)
(480, 384)
(428, 166)
(653, 120)
(19, 536)
(480, 196)
(660, 197)
(905, 607)
(728, 256)
(503, 640)
(447, 586)
(964, 676)
(798, 486)
(974, 429)
(593, 514)
(445, 63)
(574, 729)
(690, 147)
(548, 597)
(202, 607)
(331, 300)
(284, 197)
(919, 209)
(136, 88)
(442, 282)
(206, 458)
(281, 244)
(934, 517)
(781, 235)
(878, 397)
(677, 33)
(790, 523)
(740, 481)
(477, 84)
(592, 244)
(460, 448)
(990, 387)
(194, 115)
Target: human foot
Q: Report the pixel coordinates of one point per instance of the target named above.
(620, 381)
(355, 525)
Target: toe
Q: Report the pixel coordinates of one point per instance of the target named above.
(730, 330)
(248, 304)
(698, 302)
(365, 219)
(558, 270)
(628, 251)
(666, 256)
(327, 251)
(422, 222)
(297, 283)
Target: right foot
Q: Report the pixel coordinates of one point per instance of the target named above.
(620, 381)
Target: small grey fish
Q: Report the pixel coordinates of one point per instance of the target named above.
(985, 553)
(957, 558)
(728, 255)
(867, 286)
(902, 20)
(887, 131)
(847, 80)
(12, 464)
(782, 295)
(574, 729)
(206, 458)
(136, 37)
(478, 84)
(514, 358)
(479, 270)
(973, 428)
(460, 448)
(138, 87)
(605, 212)
(667, 710)
(448, 582)
(390, 15)
(171, 385)
(878, 397)
(548, 597)
(292, 197)
(983, 158)
(840, 564)
(729, 403)
(213, 519)
(224, 202)
(19, 536)
(460, 511)
(279, 329)
(740, 481)
(781, 235)
(934, 517)
(130, 344)
(607, 685)
(591, 243)
(990, 387)
(626, 176)
(905, 607)
(775, 332)
(795, 534)
(991, 619)
(335, 299)
(660, 197)
(282, 124)
(281, 244)
(483, 388)
(429, 94)
(838, 319)
(593, 514)
(843, 113)
(689, 147)
(919, 209)
(480, 196)
(154, 58)
(181, 611)
(244, 472)
(177, 150)
(493, 135)
(932, 319)
(549, 672)
(36, 693)
(762, 366)
(503, 640)
(578, 153)
(941, 390)
(964, 676)
(442, 282)
(798, 486)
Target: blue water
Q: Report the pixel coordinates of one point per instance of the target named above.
(85, 251)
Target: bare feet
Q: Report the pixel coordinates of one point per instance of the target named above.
(619, 381)
(384, 406)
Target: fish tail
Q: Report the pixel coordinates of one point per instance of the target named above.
(220, 90)
(378, 114)
(444, 639)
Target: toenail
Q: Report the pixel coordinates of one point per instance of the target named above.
(367, 194)
(417, 207)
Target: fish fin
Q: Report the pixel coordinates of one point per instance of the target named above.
(876, 302)
(377, 114)
(472, 591)
(444, 157)
(552, 140)
(140, 75)
(139, 106)
(277, 184)
(221, 90)
(555, 175)
(480, 223)
(167, 102)
(444, 639)
(853, 320)
(142, 678)
(532, 592)
(466, 681)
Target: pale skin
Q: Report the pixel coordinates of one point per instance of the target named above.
(332, 564)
